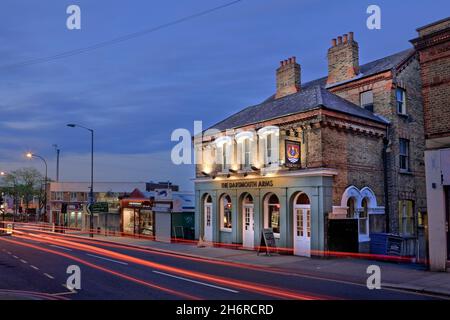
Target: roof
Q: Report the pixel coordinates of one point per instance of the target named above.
(310, 98)
(314, 95)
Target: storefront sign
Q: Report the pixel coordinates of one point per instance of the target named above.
(292, 154)
(247, 184)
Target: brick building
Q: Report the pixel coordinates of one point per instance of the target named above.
(433, 45)
(343, 151)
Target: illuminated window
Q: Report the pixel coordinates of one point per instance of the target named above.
(226, 213)
(273, 214)
(406, 218)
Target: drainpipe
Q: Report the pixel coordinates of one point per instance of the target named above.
(386, 184)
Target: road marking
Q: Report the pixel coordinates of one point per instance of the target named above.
(34, 267)
(49, 276)
(197, 282)
(98, 257)
(8, 252)
(23, 261)
(55, 246)
(16, 257)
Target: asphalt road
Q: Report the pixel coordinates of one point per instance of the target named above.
(35, 268)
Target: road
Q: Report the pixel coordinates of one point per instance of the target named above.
(34, 265)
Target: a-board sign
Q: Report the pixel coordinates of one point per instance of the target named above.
(268, 243)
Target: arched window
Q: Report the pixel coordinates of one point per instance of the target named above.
(302, 199)
(364, 217)
(269, 145)
(226, 210)
(351, 206)
(248, 199)
(245, 143)
(272, 214)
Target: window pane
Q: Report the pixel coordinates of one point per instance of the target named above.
(366, 98)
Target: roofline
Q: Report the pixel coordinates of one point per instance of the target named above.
(380, 121)
(432, 24)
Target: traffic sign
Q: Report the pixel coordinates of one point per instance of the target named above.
(98, 207)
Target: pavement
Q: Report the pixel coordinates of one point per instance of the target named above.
(402, 276)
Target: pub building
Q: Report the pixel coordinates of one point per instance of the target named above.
(326, 164)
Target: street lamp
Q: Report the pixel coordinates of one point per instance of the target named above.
(30, 155)
(91, 193)
(58, 151)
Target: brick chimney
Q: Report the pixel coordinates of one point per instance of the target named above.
(343, 59)
(288, 78)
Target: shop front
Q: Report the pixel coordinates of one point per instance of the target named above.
(137, 217)
(294, 205)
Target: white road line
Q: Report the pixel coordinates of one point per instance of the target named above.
(197, 282)
(23, 261)
(49, 276)
(64, 248)
(8, 252)
(34, 267)
(16, 257)
(98, 257)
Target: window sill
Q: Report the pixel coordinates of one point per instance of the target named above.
(226, 230)
(406, 172)
(403, 115)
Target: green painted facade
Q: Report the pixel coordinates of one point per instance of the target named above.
(318, 188)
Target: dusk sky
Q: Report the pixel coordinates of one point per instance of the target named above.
(135, 93)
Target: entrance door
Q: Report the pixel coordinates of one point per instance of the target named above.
(208, 222)
(248, 226)
(302, 230)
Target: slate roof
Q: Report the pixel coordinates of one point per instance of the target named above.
(313, 95)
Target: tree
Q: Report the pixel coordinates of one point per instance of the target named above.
(23, 184)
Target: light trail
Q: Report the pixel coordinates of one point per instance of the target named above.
(248, 286)
(258, 248)
(94, 266)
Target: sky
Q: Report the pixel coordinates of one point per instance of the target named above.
(135, 93)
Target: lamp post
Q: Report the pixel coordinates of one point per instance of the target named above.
(57, 161)
(91, 193)
(31, 156)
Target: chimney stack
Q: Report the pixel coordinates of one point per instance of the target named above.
(343, 59)
(288, 78)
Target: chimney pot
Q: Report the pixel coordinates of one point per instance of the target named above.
(350, 36)
(345, 38)
(339, 40)
(333, 42)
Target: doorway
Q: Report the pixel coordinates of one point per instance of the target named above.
(248, 225)
(208, 231)
(302, 226)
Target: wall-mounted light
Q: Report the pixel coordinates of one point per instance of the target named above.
(255, 168)
(232, 170)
